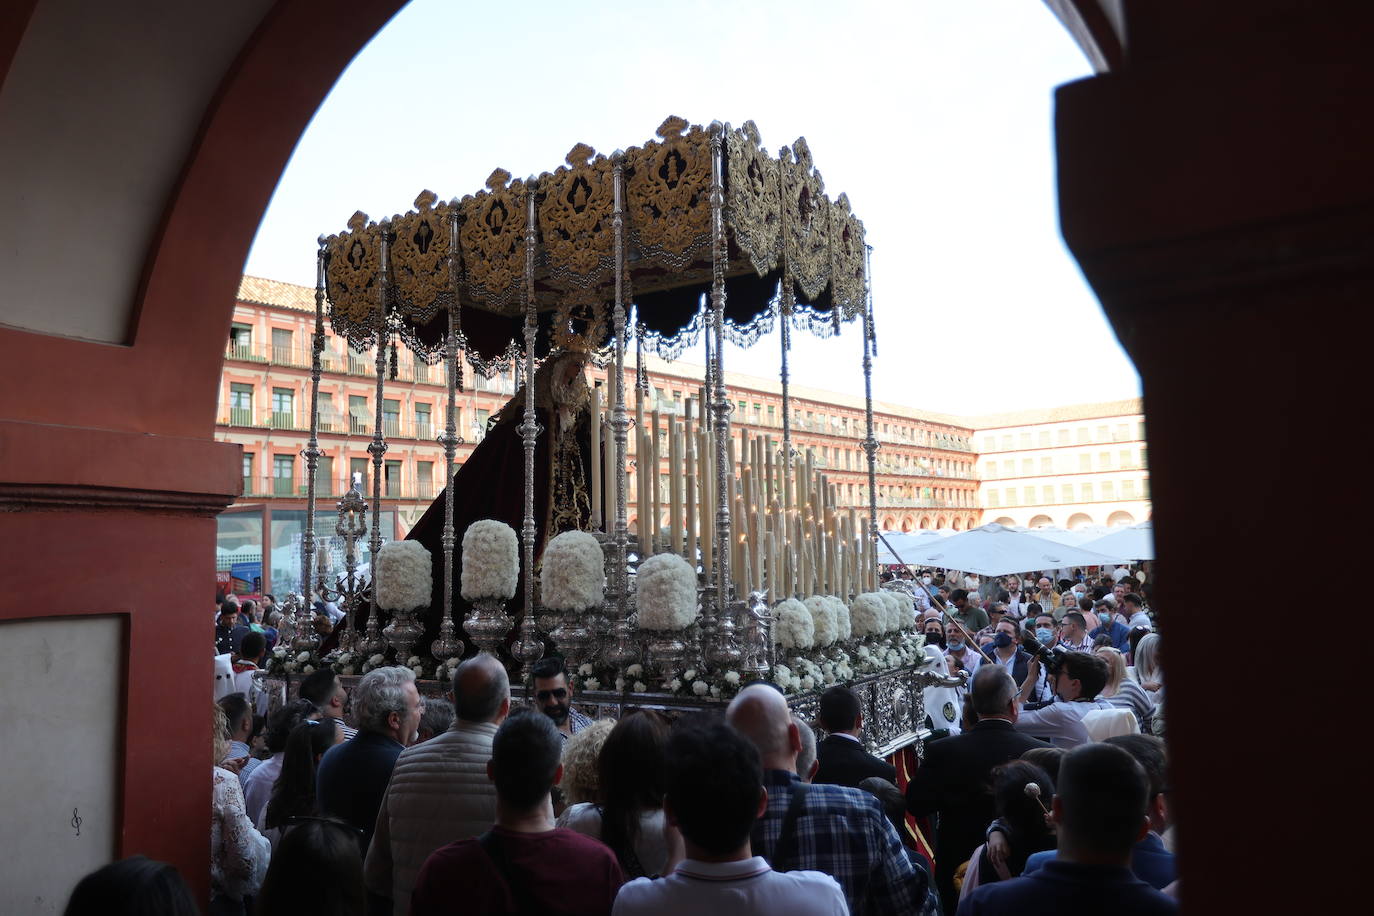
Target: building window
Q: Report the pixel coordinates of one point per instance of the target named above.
(1140, 429)
(281, 346)
(358, 420)
(1008, 468)
(1085, 462)
(283, 408)
(772, 416)
(421, 369)
(1128, 489)
(240, 404)
(1010, 493)
(1046, 495)
(424, 478)
(330, 420)
(1044, 438)
(1063, 437)
(1121, 433)
(1108, 490)
(1027, 467)
(479, 428)
(1104, 460)
(1083, 437)
(241, 341)
(392, 479)
(391, 417)
(1028, 494)
(247, 473)
(1066, 493)
(423, 430)
(357, 472)
(324, 476)
(1145, 488)
(1025, 440)
(1046, 465)
(1085, 492)
(1102, 434)
(1006, 443)
(283, 474)
(993, 501)
(1124, 458)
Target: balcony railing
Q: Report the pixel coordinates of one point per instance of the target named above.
(259, 487)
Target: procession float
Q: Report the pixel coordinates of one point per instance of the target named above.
(741, 566)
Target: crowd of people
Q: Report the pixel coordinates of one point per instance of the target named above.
(1051, 795)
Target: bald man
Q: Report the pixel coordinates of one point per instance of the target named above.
(833, 829)
(439, 791)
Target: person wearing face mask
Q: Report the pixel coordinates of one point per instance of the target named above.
(1007, 651)
(1077, 684)
(935, 632)
(959, 652)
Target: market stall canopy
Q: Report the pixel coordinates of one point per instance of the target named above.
(789, 249)
(995, 550)
(1134, 543)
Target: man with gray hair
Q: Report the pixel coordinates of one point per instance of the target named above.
(439, 790)
(955, 779)
(352, 776)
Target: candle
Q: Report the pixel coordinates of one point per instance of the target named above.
(675, 484)
(641, 491)
(596, 456)
(322, 559)
(655, 516)
(612, 480)
(689, 477)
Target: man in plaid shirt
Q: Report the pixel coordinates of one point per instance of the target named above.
(837, 830)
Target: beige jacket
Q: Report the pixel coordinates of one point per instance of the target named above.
(439, 792)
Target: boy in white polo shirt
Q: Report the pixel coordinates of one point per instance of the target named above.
(714, 794)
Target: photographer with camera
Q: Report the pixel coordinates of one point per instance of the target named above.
(1077, 678)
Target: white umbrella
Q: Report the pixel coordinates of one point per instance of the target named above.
(1134, 543)
(904, 542)
(1074, 537)
(995, 550)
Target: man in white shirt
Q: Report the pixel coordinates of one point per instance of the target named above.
(1081, 677)
(715, 792)
(1015, 599)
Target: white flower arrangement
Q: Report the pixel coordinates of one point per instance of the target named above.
(308, 669)
(302, 658)
(573, 577)
(782, 675)
(586, 670)
(732, 678)
(640, 687)
(667, 593)
(794, 628)
(591, 683)
(491, 563)
(844, 627)
(674, 685)
(404, 576)
(635, 670)
(620, 685)
(868, 615)
(823, 617)
(901, 610)
(701, 688)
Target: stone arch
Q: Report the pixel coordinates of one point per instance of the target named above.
(1040, 521)
(906, 524)
(941, 522)
(1120, 519)
(1078, 520)
(1003, 520)
(957, 524)
(925, 522)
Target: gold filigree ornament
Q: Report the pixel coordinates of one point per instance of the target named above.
(806, 220)
(668, 191)
(575, 223)
(753, 197)
(846, 260)
(351, 278)
(492, 238)
(579, 326)
(419, 274)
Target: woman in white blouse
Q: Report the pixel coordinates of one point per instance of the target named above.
(238, 853)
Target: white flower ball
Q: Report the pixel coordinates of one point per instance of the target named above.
(635, 670)
(823, 618)
(667, 593)
(732, 678)
(573, 575)
(701, 688)
(640, 687)
(591, 683)
(491, 560)
(404, 576)
(794, 627)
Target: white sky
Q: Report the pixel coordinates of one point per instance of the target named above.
(935, 117)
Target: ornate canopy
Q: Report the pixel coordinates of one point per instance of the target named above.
(790, 249)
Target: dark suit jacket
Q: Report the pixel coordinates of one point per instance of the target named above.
(954, 781)
(352, 779)
(846, 763)
(1018, 663)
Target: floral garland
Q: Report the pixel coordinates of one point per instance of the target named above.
(795, 628)
(573, 575)
(405, 577)
(491, 563)
(667, 587)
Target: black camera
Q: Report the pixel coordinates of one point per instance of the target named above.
(1051, 657)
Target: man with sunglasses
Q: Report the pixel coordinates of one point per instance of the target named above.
(553, 693)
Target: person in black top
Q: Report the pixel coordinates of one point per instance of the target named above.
(843, 760)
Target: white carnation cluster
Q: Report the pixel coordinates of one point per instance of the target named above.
(844, 627)
(902, 610)
(794, 627)
(667, 593)
(491, 562)
(868, 614)
(405, 576)
(573, 577)
(825, 618)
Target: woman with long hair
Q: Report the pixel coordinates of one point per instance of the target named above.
(318, 868)
(294, 793)
(629, 815)
(1020, 818)
(238, 853)
(1124, 692)
(1151, 677)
